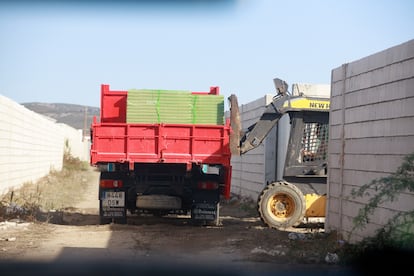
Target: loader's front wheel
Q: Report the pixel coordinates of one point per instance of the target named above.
(281, 205)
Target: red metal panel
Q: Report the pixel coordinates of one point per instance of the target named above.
(108, 143)
(113, 105)
(175, 141)
(160, 143)
(214, 90)
(142, 142)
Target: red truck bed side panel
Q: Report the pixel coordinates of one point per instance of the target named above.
(154, 143)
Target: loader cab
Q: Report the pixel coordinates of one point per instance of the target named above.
(307, 151)
(308, 144)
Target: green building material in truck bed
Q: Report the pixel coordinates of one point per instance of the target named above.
(174, 107)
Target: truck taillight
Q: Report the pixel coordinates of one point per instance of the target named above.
(207, 185)
(110, 183)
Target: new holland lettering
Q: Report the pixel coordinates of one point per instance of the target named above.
(319, 105)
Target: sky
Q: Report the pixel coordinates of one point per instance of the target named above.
(62, 51)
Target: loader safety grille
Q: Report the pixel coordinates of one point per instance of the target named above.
(315, 142)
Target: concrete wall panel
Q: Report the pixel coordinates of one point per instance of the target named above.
(335, 147)
(402, 126)
(381, 111)
(378, 145)
(335, 190)
(31, 145)
(371, 130)
(356, 178)
(372, 163)
(336, 104)
(385, 58)
(380, 76)
(334, 161)
(335, 132)
(384, 93)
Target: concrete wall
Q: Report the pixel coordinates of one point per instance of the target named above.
(77, 145)
(371, 130)
(31, 145)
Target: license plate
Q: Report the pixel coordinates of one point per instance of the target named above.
(113, 199)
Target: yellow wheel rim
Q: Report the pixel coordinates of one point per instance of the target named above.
(281, 206)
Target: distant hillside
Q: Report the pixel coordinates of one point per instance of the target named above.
(70, 114)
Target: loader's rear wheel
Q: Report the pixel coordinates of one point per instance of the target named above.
(281, 205)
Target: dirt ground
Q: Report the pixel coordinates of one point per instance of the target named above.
(70, 240)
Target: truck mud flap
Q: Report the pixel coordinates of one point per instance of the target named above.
(112, 206)
(205, 212)
(205, 207)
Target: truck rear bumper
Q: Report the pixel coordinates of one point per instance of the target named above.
(158, 202)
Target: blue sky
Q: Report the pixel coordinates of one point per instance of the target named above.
(62, 51)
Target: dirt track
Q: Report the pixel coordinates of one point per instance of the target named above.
(72, 239)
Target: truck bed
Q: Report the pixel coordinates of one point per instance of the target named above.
(160, 143)
(114, 139)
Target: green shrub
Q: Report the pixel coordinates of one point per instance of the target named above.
(398, 232)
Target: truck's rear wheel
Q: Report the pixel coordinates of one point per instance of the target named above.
(281, 205)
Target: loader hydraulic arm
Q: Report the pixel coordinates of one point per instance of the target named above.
(257, 132)
(283, 102)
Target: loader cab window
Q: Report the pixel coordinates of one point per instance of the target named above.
(314, 146)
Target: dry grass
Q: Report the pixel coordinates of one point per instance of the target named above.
(57, 190)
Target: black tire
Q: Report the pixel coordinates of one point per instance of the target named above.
(281, 205)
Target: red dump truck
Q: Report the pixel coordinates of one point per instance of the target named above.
(161, 152)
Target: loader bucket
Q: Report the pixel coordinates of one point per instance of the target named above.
(235, 125)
